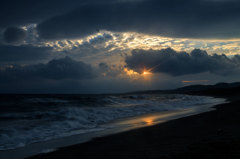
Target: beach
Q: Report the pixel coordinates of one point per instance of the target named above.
(214, 134)
(120, 79)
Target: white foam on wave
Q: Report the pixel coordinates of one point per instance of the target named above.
(70, 120)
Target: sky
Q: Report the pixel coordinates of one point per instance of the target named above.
(116, 46)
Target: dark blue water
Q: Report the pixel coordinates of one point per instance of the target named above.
(26, 119)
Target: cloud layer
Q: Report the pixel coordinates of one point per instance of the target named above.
(9, 53)
(15, 12)
(181, 63)
(65, 68)
(172, 18)
(66, 75)
(14, 35)
(35, 35)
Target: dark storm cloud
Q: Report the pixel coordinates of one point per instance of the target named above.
(109, 70)
(21, 12)
(15, 12)
(173, 18)
(14, 35)
(9, 53)
(65, 68)
(103, 66)
(181, 63)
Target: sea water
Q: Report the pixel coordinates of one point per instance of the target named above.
(28, 119)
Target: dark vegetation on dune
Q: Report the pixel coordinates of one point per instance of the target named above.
(221, 90)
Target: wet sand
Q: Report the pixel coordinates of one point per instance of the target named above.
(209, 135)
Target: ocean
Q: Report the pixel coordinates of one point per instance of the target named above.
(28, 119)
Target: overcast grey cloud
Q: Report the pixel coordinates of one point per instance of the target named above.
(36, 35)
(9, 53)
(68, 76)
(56, 76)
(181, 63)
(14, 35)
(15, 12)
(71, 76)
(172, 18)
(59, 69)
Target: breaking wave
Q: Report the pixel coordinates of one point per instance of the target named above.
(35, 119)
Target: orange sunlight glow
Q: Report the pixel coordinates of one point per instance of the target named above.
(146, 73)
(149, 121)
(130, 72)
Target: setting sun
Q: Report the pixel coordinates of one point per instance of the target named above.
(146, 73)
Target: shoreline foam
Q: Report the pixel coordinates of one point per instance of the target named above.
(122, 126)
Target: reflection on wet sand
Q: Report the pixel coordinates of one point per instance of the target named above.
(148, 121)
(152, 119)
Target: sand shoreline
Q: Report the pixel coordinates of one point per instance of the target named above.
(115, 127)
(207, 135)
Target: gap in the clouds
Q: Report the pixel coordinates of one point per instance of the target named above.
(106, 42)
(111, 49)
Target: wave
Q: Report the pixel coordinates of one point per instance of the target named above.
(48, 118)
